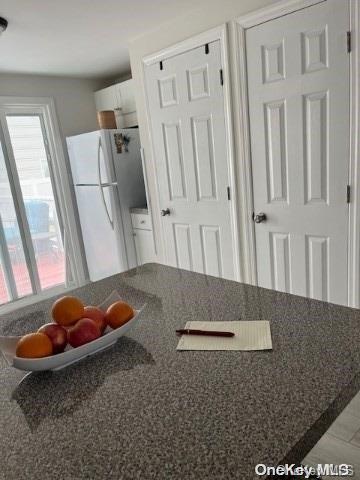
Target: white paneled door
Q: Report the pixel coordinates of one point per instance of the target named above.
(298, 84)
(186, 105)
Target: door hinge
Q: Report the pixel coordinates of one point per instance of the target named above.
(161, 65)
(348, 194)
(206, 48)
(221, 77)
(228, 193)
(348, 40)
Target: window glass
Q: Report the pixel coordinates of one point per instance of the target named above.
(29, 149)
(11, 244)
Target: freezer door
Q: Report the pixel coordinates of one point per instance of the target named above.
(88, 159)
(102, 240)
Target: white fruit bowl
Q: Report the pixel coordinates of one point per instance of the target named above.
(70, 355)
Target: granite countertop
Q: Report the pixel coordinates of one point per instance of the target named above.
(142, 410)
(142, 210)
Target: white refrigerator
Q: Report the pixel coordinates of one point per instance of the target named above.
(108, 180)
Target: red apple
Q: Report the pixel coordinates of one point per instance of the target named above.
(57, 334)
(84, 331)
(97, 315)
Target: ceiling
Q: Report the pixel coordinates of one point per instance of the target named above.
(78, 38)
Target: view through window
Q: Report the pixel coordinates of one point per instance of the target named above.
(32, 253)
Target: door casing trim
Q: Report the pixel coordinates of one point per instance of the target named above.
(243, 150)
(354, 169)
(219, 33)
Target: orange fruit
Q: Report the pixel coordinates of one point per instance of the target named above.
(118, 314)
(67, 310)
(34, 345)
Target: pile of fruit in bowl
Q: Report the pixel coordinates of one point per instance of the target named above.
(75, 325)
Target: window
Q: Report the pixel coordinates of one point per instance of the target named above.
(35, 215)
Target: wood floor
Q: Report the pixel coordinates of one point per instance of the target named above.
(341, 443)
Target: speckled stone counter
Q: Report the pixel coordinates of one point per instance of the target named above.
(142, 410)
(142, 210)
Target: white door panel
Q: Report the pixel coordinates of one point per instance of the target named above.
(186, 104)
(298, 82)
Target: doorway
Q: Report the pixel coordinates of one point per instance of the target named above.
(35, 261)
(298, 96)
(186, 110)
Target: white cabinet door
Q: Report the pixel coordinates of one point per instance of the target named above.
(121, 98)
(144, 244)
(129, 120)
(298, 81)
(126, 97)
(106, 99)
(186, 102)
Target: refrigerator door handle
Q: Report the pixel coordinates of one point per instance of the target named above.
(101, 187)
(112, 184)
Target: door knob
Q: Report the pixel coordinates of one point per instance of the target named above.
(260, 217)
(165, 212)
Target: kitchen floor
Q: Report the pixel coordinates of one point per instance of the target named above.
(341, 443)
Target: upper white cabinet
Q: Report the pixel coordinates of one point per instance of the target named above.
(120, 98)
(125, 96)
(105, 99)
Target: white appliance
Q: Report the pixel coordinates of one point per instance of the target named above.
(108, 181)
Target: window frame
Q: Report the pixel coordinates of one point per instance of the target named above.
(60, 179)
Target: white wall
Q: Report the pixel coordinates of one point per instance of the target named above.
(74, 98)
(210, 14)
